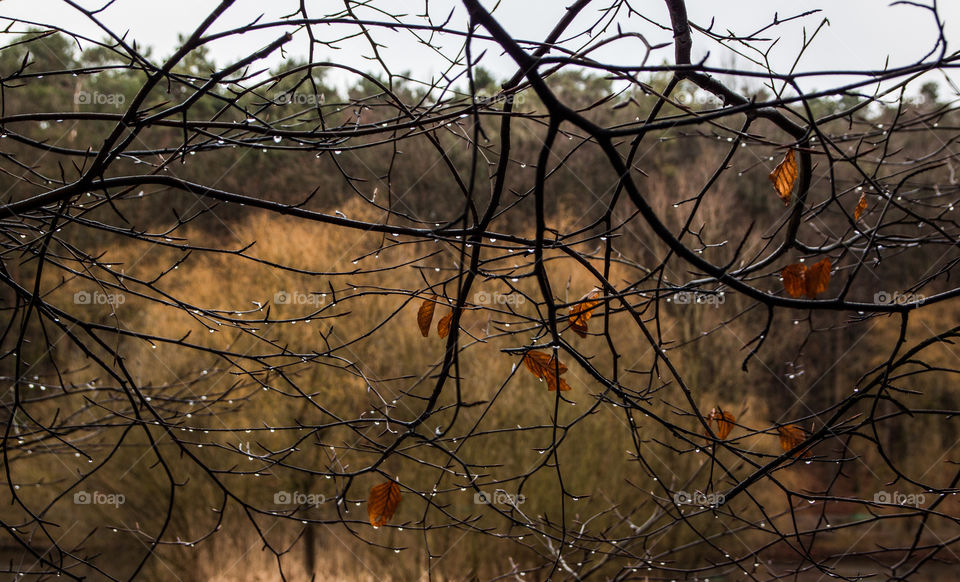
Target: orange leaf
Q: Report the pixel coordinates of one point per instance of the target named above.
(558, 367)
(794, 279)
(861, 206)
(425, 315)
(798, 279)
(382, 502)
(581, 313)
(540, 364)
(818, 277)
(724, 420)
(443, 326)
(553, 381)
(546, 368)
(784, 176)
(791, 436)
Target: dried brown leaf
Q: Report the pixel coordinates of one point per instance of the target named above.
(443, 326)
(791, 436)
(539, 362)
(581, 313)
(794, 279)
(553, 381)
(784, 176)
(425, 315)
(861, 206)
(382, 502)
(546, 368)
(798, 279)
(725, 422)
(818, 277)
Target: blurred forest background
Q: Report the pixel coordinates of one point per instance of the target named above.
(361, 281)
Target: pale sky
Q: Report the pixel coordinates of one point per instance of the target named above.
(862, 34)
